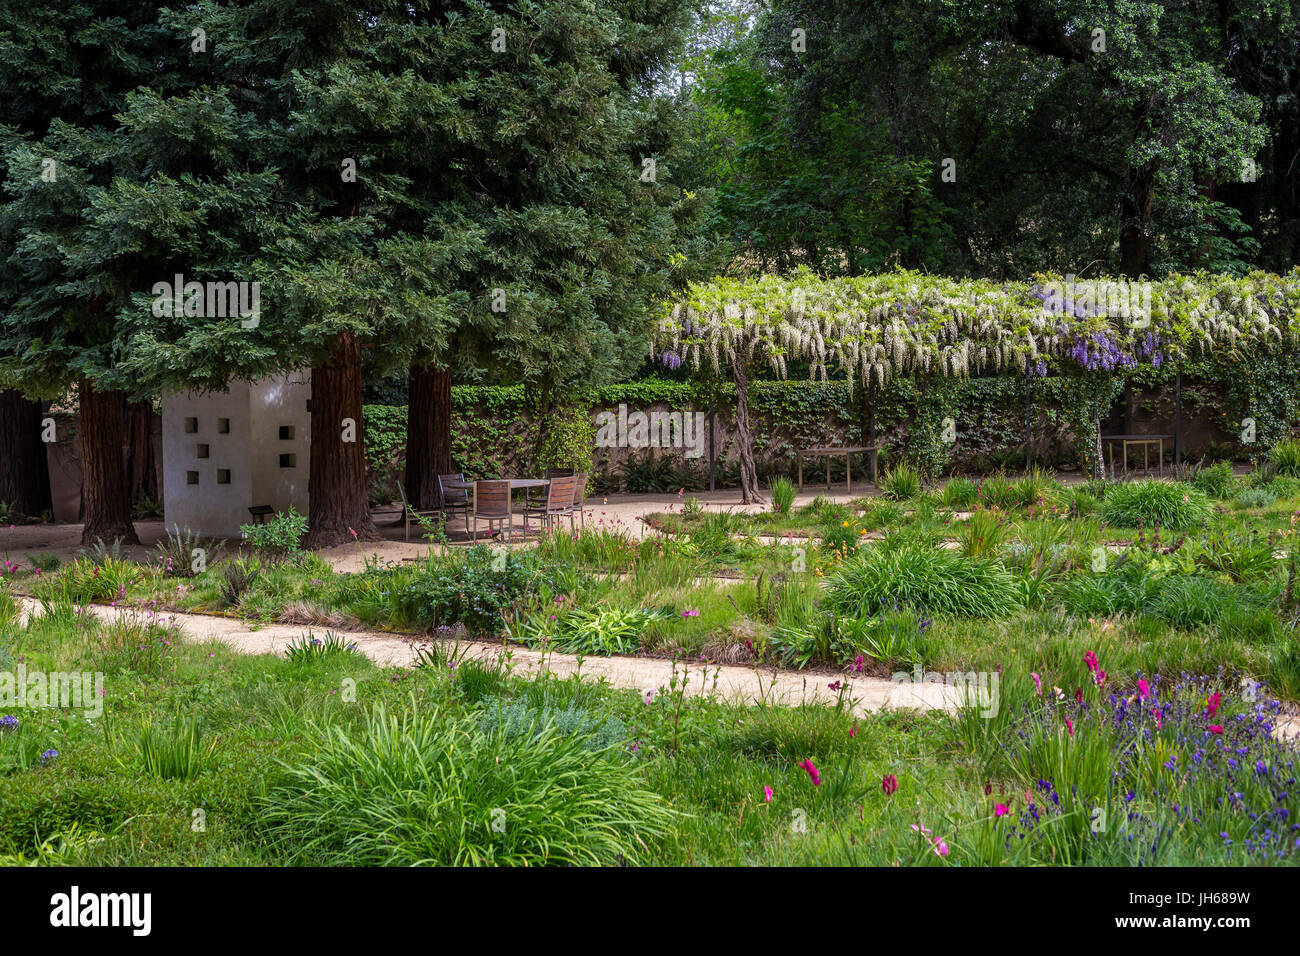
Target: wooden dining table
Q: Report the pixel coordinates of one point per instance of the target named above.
(516, 484)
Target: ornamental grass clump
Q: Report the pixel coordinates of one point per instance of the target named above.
(428, 788)
(931, 580)
(1170, 505)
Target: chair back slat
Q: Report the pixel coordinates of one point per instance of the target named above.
(492, 499)
(560, 496)
(580, 490)
(456, 495)
(558, 473)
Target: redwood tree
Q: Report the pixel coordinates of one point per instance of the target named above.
(105, 495)
(340, 508)
(428, 434)
(25, 473)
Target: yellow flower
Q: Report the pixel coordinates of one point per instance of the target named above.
(845, 525)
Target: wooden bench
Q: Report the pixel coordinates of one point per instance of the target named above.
(1146, 441)
(834, 451)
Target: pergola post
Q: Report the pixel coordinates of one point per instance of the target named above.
(1029, 427)
(1178, 417)
(713, 451)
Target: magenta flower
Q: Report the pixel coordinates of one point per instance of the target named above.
(1090, 659)
(767, 794)
(811, 770)
(1001, 810)
(1144, 689)
(1212, 704)
(1216, 729)
(889, 784)
(1038, 684)
(1069, 725)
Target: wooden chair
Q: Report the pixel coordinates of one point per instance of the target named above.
(408, 512)
(559, 502)
(534, 498)
(491, 504)
(579, 506)
(454, 500)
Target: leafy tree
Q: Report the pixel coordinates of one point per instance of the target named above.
(67, 72)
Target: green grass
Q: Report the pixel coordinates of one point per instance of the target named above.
(476, 764)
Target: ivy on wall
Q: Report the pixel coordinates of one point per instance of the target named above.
(495, 432)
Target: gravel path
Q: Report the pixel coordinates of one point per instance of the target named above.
(736, 684)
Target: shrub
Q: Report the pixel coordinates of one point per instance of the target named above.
(783, 493)
(86, 580)
(931, 580)
(568, 439)
(841, 535)
(1171, 505)
(479, 589)
(237, 577)
(44, 563)
(431, 789)
(959, 493)
(1285, 456)
(983, 533)
(310, 649)
(601, 630)
(902, 482)
(279, 535)
(184, 554)
(1215, 480)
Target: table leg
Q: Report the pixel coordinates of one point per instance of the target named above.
(875, 464)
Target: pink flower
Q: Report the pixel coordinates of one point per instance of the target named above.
(889, 784)
(1090, 659)
(1001, 810)
(940, 848)
(1155, 712)
(1216, 729)
(1212, 704)
(835, 686)
(1038, 684)
(1069, 725)
(691, 613)
(811, 770)
(767, 794)
(1144, 689)
(853, 731)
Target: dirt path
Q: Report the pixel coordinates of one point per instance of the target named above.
(735, 684)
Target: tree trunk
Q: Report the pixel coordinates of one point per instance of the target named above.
(25, 474)
(1135, 222)
(744, 438)
(105, 498)
(337, 483)
(138, 451)
(428, 434)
